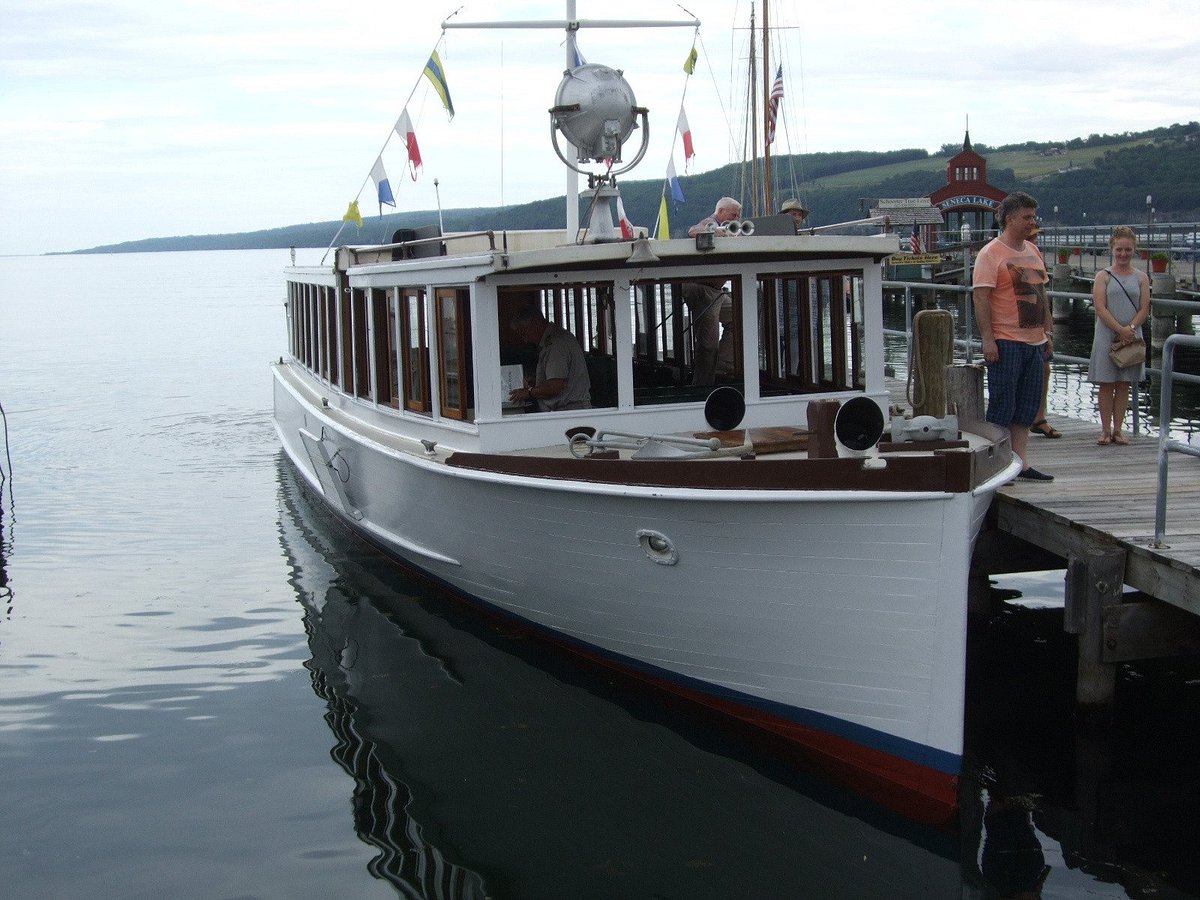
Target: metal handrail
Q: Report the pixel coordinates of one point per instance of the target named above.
(969, 343)
(1165, 443)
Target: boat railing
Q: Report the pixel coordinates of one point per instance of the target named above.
(355, 252)
(837, 226)
(1165, 443)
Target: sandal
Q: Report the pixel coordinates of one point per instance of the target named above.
(1105, 439)
(1045, 429)
(1119, 438)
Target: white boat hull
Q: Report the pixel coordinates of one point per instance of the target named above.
(834, 618)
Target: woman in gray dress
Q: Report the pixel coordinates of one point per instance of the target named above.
(1121, 297)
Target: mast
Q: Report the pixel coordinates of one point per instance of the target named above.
(768, 205)
(752, 106)
(572, 189)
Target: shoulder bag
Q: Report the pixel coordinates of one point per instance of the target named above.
(1126, 353)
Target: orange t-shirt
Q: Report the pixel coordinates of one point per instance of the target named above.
(1020, 307)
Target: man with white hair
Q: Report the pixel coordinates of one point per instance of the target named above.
(727, 210)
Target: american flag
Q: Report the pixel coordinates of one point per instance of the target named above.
(773, 104)
(915, 241)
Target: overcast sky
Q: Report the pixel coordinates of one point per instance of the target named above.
(126, 119)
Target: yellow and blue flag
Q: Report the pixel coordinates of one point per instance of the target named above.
(437, 77)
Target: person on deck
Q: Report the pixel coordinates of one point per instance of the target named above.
(1015, 323)
(561, 380)
(727, 210)
(796, 210)
(1040, 425)
(1121, 297)
(711, 307)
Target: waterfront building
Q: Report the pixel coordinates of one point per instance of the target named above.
(967, 198)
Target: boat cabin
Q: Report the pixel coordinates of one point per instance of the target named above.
(416, 335)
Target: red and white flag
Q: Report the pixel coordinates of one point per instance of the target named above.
(773, 105)
(914, 245)
(404, 128)
(685, 132)
(626, 226)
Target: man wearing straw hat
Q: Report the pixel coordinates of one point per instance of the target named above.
(796, 210)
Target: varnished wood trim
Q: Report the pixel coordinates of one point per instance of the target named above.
(943, 472)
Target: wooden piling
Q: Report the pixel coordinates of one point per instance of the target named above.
(964, 392)
(1095, 580)
(933, 350)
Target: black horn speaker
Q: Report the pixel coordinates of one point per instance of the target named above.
(724, 408)
(858, 424)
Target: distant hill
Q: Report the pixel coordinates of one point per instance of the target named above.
(1105, 176)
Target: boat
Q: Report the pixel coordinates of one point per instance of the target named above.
(447, 727)
(750, 542)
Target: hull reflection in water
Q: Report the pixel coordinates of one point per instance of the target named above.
(487, 766)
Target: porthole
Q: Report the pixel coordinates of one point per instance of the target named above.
(658, 547)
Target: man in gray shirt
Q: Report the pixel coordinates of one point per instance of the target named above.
(561, 381)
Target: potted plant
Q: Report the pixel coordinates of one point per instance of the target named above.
(1064, 254)
(1159, 260)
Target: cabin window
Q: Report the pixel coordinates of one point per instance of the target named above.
(300, 322)
(414, 345)
(361, 348)
(587, 311)
(326, 326)
(345, 341)
(687, 338)
(330, 338)
(383, 325)
(456, 378)
(811, 327)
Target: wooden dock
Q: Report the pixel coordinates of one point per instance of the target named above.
(1097, 521)
(1103, 498)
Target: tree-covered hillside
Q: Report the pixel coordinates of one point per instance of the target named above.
(1107, 177)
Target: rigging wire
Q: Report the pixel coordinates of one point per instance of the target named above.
(741, 83)
(793, 98)
(441, 42)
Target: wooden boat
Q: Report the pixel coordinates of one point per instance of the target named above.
(737, 543)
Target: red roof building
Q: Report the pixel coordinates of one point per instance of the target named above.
(967, 198)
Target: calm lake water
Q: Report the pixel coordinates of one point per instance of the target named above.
(208, 689)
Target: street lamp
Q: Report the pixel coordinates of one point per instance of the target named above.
(1149, 217)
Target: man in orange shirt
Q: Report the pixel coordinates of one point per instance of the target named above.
(1015, 323)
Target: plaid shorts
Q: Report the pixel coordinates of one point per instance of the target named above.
(1015, 383)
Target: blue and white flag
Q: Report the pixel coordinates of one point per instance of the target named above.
(676, 187)
(382, 187)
